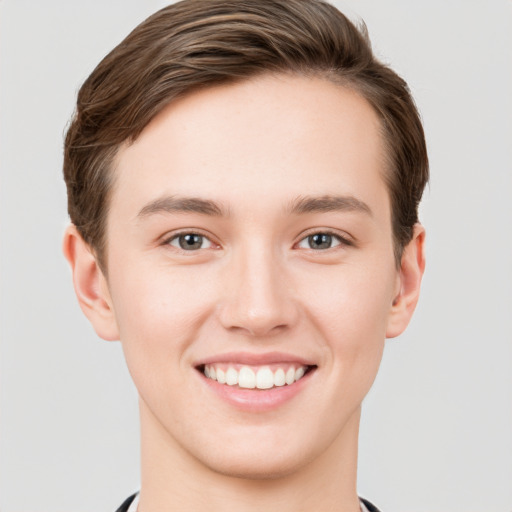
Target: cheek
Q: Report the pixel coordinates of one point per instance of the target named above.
(352, 301)
(351, 310)
(153, 297)
(159, 315)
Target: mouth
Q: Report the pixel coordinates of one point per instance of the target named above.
(256, 383)
(255, 377)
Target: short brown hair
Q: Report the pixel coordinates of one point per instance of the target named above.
(195, 44)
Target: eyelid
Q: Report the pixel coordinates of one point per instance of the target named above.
(168, 237)
(344, 239)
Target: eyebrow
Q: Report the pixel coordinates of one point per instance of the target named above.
(175, 204)
(328, 203)
(300, 205)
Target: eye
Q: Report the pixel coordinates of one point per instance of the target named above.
(321, 241)
(190, 242)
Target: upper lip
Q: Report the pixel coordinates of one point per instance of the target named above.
(253, 359)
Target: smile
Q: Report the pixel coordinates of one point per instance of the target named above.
(256, 383)
(250, 377)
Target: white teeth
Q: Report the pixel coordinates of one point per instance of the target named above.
(246, 377)
(231, 377)
(299, 373)
(264, 378)
(221, 376)
(279, 377)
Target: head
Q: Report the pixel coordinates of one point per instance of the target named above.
(243, 179)
(186, 47)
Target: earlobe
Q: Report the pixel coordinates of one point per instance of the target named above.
(411, 272)
(90, 285)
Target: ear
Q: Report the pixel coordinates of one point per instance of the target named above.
(90, 285)
(408, 283)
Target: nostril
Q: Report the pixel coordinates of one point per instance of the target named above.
(258, 306)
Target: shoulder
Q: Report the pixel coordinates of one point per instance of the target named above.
(369, 506)
(126, 503)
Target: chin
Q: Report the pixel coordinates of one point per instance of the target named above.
(254, 468)
(257, 457)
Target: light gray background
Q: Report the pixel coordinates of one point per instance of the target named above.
(437, 426)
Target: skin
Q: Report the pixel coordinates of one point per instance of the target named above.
(255, 285)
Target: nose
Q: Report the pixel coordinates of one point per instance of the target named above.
(259, 299)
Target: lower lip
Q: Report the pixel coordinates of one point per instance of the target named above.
(257, 400)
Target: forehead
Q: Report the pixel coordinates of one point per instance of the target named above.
(273, 137)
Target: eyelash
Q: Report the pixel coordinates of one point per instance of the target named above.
(176, 236)
(342, 241)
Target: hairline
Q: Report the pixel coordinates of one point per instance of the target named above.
(330, 76)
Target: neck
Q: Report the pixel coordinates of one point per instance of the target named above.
(172, 479)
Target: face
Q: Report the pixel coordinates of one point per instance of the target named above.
(251, 275)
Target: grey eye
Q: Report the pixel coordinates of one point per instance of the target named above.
(190, 242)
(319, 241)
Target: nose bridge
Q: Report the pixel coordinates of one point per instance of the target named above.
(258, 300)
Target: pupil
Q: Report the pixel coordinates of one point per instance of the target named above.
(320, 241)
(188, 242)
